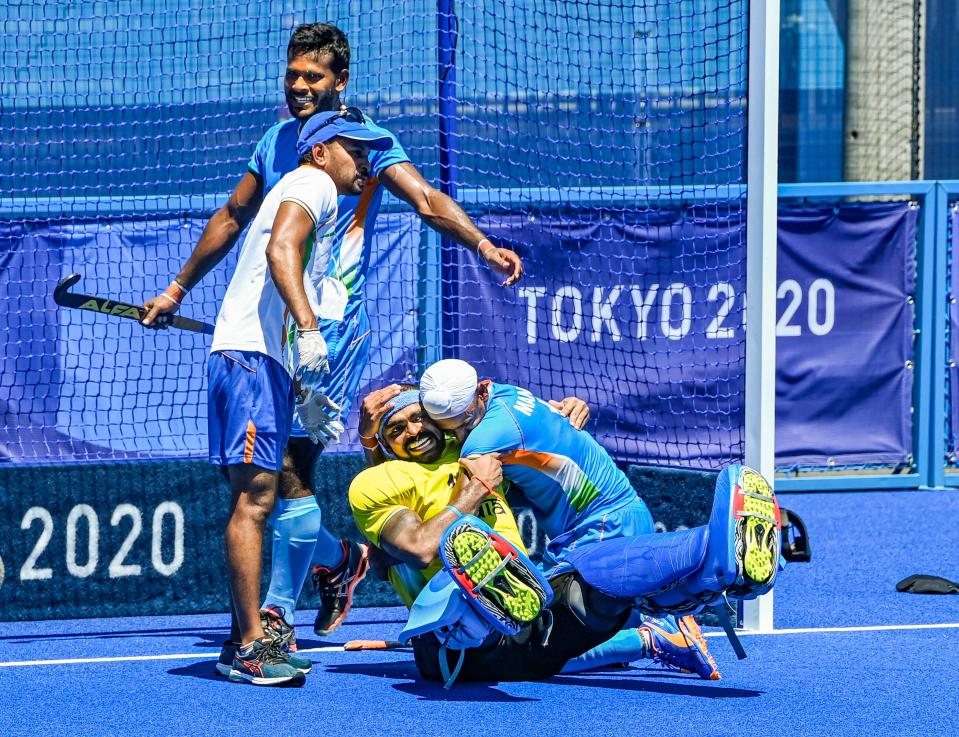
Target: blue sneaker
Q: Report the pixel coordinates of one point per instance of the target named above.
(274, 624)
(264, 665)
(745, 531)
(680, 644)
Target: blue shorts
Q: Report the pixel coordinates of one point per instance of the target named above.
(348, 342)
(250, 409)
(631, 520)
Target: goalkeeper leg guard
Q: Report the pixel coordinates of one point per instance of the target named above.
(636, 567)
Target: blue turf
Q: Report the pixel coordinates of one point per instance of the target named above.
(851, 683)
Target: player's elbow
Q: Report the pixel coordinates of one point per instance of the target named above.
(423, 554)
(429, 204)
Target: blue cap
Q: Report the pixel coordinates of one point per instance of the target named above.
(326, 126)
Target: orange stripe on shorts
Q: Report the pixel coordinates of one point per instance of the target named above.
(250, 440)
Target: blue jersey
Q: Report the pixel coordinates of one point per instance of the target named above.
(275, 155)
(566, 475)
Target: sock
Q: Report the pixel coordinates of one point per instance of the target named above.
(296, 524)
(328, 552)
(623, 647)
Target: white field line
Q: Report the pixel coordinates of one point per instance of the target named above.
(818, 630)
(333, 649)
(208, 655)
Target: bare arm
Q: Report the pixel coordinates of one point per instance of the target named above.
(408, 538)
(442, 214)
(218, 238)
(284, 254)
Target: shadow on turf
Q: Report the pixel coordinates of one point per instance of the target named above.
(205, 671)
(649, 683)
(425, 690)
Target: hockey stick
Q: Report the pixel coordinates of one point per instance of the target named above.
(65, 298)
(373, 645)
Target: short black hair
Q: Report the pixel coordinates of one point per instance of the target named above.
(314, 39)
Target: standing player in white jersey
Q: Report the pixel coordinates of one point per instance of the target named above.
(318, 59)
(266, 334)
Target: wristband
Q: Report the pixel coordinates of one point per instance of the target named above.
(175, 292)
(483, 251)
(489, 487)
(363, 442)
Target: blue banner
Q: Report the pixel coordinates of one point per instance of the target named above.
(845, 354)
(641, 314)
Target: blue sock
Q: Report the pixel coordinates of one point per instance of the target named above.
(623, 647)
(296, 524)
(328, 552)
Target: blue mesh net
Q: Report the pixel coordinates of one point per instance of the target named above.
(604, 140)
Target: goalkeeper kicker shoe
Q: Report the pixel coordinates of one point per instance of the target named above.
(336, 585)
(745, 530)
(679, 643)
(494, 574)
(264, 664)
(274, 625)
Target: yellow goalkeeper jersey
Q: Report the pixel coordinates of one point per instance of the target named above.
(379, 493)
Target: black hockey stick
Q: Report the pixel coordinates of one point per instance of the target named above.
(65, 298)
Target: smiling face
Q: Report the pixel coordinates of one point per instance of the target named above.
(311, 86)
(412, 436)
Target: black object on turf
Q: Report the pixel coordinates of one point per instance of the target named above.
(795, 538)
(921, 584)
(65, 298)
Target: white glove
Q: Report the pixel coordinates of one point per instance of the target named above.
(319, 416)
(313, 359)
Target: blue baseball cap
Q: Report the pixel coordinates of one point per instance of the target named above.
(348, 123)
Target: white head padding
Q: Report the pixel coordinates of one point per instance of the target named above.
(447, 388)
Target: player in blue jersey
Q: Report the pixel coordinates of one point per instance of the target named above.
(317, 73)
(575, 489)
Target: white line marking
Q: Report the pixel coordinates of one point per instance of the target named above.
(816, 630)
(209, 655)
(172, 656)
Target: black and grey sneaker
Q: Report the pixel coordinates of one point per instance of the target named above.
(224, 663)
(335, 586)
(265, 664)
(274, 624)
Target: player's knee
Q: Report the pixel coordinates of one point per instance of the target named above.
(299, 463)
(593, 608)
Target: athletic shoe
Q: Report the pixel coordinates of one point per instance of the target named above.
(224, 663)
(275, 626)
(680, 644)
(265, 665)
(485, 563)
(335, 586)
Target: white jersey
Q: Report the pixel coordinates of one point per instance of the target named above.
(253, 316)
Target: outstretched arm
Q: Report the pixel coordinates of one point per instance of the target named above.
(442, 214)
(218, 238)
